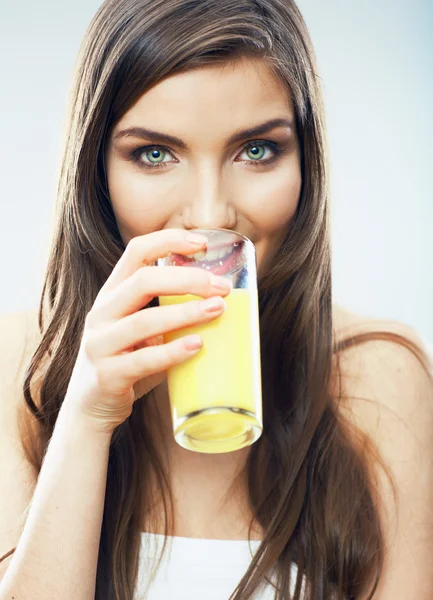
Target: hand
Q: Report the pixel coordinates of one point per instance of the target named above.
(122, 354)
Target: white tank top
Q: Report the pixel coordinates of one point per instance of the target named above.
(196, 569)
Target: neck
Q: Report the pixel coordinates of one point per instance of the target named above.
(209, 490)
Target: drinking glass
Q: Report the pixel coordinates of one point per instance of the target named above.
(215, 396)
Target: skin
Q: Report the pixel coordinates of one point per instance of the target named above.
(208, 184)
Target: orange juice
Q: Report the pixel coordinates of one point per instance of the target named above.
(215, 396)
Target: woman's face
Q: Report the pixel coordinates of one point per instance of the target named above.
(214, 173)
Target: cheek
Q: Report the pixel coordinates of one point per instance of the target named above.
(272, 205)
(270, 201)
(139, 205)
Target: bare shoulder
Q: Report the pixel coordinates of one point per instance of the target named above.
(387, 394)
(386, 391)
(384, 353)
(19, 337)
(347, 321)
(382, 370)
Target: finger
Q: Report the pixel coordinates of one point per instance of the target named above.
(127, 369)
(144, 327)
(146, 249)
(146, 283)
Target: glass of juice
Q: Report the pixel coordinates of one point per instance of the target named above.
(216, 396)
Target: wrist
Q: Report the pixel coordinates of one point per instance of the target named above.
(75, 417)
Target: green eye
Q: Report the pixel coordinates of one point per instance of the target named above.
(151, 157)
(256, 152)
(155, 156)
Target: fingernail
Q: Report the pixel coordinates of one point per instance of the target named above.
(213, 305)
(193, 342)
(196, 239)
(220, 282)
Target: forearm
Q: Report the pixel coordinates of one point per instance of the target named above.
(57, 553)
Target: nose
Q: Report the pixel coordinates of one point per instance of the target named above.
(209, 205)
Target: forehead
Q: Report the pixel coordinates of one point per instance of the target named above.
(234, 90)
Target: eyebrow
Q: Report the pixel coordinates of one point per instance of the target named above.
(165, 138)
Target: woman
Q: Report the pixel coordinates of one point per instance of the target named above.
(185, 115)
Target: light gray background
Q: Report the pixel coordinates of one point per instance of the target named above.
(375, 59)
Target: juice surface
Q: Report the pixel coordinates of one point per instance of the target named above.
(226, 371)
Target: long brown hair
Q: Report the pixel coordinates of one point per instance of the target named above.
(308, 482)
